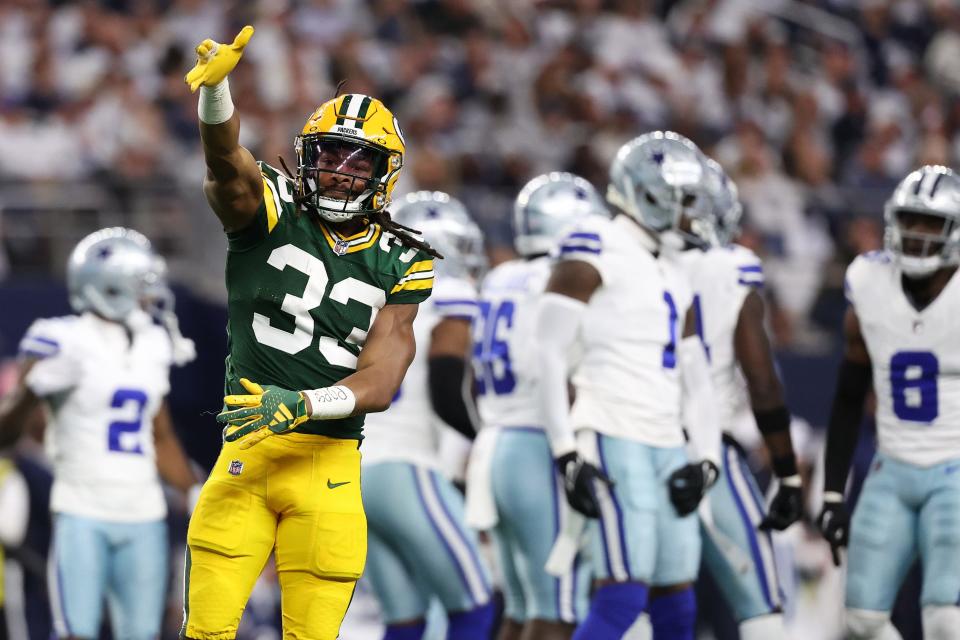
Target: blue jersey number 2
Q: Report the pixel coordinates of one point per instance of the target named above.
(913, 383)
(117, 429)
(491, 351)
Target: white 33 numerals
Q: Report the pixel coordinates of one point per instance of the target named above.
(300, 307)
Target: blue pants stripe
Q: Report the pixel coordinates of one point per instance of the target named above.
(444, 526)
(622, 542)
(475, 565)
(57, 604)
(733, 466)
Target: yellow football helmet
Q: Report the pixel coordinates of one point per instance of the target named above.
(349, 157)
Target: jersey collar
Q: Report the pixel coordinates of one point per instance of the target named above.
(341, 245)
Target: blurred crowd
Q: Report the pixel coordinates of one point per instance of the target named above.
(817, 108)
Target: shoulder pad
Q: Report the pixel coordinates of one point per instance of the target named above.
(865, 267)
(48, 337)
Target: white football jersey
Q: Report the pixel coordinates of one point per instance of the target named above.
(628, 380)
(721, 278)
(505, 365)
(101, 393)
(916, 361)
(410, 430)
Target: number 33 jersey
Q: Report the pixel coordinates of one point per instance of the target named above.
(101, 391)
(301, 297)
(916, 361)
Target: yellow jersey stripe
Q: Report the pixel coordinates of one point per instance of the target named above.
(422, 265)
(413, 285)
(268, 199)
(373, 231)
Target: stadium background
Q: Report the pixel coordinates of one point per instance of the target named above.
(816, 108)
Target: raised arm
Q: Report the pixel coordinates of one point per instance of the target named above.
(232, 184)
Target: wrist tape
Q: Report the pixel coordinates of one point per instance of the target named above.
(215, 105)
(330, 403)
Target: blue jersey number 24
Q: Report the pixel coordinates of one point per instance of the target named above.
(913, 383)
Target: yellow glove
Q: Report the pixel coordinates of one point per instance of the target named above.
(215, 60)
(268, 410)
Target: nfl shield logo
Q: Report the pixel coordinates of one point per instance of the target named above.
(340, 247)
(236, 467)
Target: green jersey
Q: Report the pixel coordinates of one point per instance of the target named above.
(301, 298)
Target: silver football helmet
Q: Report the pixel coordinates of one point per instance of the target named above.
(724, 198)
(446, 225)
(655, 179)
(115, 273)
(547, 205)
(932, 191)
(112, 272)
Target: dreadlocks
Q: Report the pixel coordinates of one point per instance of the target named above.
(403, 233)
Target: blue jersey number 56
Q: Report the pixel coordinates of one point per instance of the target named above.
(491, 351)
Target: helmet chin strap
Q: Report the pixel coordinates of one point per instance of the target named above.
(916, 267)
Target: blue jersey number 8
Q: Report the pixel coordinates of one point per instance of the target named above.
(491, 351)
(913, 382)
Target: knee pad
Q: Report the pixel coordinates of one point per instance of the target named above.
(405, 631)
(941, 622)
(769, 627)
(863, 624)
(674, 615)
(613, 610)
(474, 624)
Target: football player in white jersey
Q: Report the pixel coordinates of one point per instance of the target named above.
(418, 544)
(642, 375)
(900, 331)
(513, 488)
(729, 310)
(102, 376)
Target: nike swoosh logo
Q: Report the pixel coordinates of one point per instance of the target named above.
(334, 485)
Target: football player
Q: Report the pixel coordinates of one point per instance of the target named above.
(642, 366)
(322, 291)
(729, 310)
(900, 333)
(418, 545)
(101, 376)
(513, 488)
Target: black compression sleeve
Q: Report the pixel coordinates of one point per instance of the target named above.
(447, 393)
(853, 384)
(774, 424)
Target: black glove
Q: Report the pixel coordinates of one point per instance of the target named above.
(579, 483)
(834, 523)
(689, 484)
(786, 506)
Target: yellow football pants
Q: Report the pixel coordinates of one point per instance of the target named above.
(298, 494)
